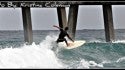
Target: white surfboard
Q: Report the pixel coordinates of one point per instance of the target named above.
(72, 45)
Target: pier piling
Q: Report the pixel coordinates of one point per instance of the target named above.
(72, 20)
(62, 17)
(108, 23)
(26, 15)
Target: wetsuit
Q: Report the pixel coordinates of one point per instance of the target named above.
(62, 35)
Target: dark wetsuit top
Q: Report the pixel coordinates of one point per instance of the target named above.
(62, 35)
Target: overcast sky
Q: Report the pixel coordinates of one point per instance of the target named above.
(89, 17)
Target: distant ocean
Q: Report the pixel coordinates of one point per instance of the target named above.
(94, 54)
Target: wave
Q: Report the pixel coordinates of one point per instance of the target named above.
(42, 55)
(30, 56)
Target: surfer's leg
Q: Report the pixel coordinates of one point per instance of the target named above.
(66, 42)
(57, 41)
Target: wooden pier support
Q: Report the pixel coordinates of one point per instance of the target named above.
(62, 17)
(26, 15)
(72, 20)
(108, 22)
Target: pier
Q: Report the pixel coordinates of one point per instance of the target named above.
(61, 12)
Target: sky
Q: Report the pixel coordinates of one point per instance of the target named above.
(89, 17)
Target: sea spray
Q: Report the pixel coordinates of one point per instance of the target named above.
(30, 56)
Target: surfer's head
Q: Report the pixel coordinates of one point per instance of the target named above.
(66, 28)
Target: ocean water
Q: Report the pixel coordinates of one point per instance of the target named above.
(94, 54)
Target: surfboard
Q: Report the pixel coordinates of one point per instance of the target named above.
(72, 45)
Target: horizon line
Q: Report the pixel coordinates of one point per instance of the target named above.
(57, 29)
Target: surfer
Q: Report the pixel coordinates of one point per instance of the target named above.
(63, 33)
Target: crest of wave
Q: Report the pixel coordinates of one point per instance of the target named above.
(30, 56)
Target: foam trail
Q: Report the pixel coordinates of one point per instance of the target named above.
(87, 64)
(119, 41)
(121, 59)
(30, 56)
(96, 41)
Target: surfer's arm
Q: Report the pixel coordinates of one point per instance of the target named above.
(70, 38)
(57, 27)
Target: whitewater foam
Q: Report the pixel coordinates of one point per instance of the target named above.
(87, 64)
(121, 59)
(30, 56)
(119, 41)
